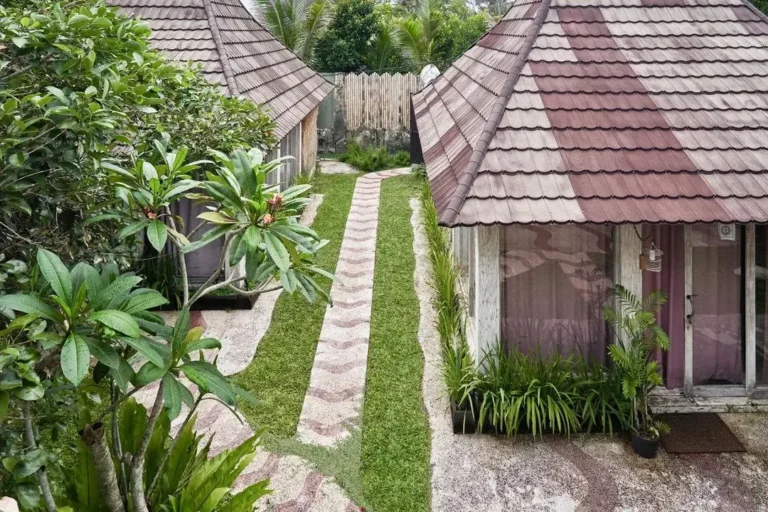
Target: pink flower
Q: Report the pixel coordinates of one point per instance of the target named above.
(150, 214)
(275, 202)
(267, 220)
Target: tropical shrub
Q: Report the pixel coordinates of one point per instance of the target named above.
(343, 46)
(641, 339)
(179, 475)
(78, 83)
(371, 159)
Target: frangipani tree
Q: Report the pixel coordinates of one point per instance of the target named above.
(99, 322)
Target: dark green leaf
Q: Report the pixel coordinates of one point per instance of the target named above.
(148, 373)
(28, 304)
(118, 320)
(171, 396)
(104, 352)
(144, 347)
(157, 234)
(75, 358)
(209, 379)
(55, 273)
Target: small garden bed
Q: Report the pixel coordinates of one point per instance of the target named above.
(371, 159)
(510, 392)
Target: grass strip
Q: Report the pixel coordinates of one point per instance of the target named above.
(396, 436)
(279, 374)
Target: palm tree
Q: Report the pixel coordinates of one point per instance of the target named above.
(418, 33)
(385, 49)
(297, 23)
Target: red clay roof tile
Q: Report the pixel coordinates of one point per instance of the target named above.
(605, 111)
(236, 52)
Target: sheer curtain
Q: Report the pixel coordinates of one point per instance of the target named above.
(671, 281)
(555, 280)
(718, 353)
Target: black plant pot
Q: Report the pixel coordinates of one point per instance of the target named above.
(462, 419)
(646, 448)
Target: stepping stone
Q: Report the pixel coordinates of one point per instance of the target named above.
(337, 383)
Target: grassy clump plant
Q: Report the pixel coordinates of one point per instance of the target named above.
(373, 158)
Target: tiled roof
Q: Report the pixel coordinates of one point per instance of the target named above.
(604, 111)
(236, 52)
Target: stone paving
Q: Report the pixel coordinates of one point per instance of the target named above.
(588, 473)
(332, 405)
(335, 167)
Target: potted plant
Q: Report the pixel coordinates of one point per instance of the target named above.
(640, 338)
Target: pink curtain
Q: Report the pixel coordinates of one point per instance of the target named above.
(671, 280)
(555, 280)
(718, 354)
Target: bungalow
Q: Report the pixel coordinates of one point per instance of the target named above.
(241, 56)
(578, 145)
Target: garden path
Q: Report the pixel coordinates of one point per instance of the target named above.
(296, 486)
(334, 398)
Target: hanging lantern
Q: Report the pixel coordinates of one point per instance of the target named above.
(651, 258)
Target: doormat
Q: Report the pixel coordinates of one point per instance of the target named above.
(698, 433)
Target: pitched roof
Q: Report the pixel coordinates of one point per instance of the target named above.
(236, 52)
(603, 111)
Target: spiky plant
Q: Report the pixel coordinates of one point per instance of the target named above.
(640, 335)
(297, 23)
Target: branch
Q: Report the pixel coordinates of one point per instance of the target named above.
(253, 293)
(182, 259)
(42, 477)
(112, 408)
(137, 460)
(206, 287)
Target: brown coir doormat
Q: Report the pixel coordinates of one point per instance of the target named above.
(698, 433)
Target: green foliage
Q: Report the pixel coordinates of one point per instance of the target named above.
(179, 475)
(78, 82)
(343, 47)
(642, 337)
(279, 373)
(373, 159)
(449, 303)
(298, 24)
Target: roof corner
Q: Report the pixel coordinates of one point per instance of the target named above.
(489, 130)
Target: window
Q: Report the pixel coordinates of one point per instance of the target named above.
(555, 280)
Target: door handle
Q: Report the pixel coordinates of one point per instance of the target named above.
(689, 316)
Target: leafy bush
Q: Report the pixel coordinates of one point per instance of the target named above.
(635, 321)
(372, 159)
(343, 46)
(78, 83)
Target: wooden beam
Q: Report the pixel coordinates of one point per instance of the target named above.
(628, 248)
(750, 312)
(487, 306)
(689, 311)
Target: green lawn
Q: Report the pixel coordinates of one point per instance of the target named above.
(396, 436)
(385, 466)
(279, 374)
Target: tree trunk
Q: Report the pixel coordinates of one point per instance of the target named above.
(42, 476)
(93, 436)
(137, 460)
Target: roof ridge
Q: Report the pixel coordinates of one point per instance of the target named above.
(481, 147)
(220, 49)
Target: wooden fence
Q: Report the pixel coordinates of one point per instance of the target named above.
(377, 102)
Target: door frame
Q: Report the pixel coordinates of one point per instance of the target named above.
(748, 389)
